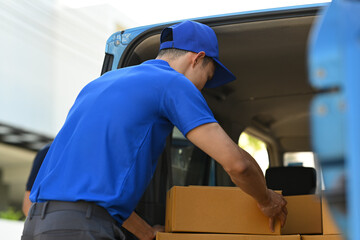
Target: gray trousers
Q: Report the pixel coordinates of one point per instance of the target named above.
(69, 220)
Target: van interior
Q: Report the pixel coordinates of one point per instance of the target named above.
(269, 101)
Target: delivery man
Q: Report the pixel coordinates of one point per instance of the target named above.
(104, 156)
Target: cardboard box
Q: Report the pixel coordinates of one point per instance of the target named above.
(214, 210)
(304, 215)
(329, 225)
(322, 237)
(230, 210)
(200, 236)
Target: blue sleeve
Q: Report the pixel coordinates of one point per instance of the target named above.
(185, 106)
(39, 158)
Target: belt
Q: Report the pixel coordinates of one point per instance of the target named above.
(88, 208)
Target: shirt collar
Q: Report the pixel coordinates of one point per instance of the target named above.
(157, 62)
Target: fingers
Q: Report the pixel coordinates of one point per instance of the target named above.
(285, 210)
(275, 210)
(272, 224)
(282, 218)
(158, 228)
(282, 215)
(285, 201)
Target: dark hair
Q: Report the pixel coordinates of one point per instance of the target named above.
(206, 61)
(173, 53)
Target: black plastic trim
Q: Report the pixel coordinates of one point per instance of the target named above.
(107, 64)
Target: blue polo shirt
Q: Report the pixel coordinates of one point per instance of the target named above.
(107, 150)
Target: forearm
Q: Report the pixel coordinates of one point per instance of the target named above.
(26, 203)
(137, 226)
(251, 180)
(242, 168)
(257, 165)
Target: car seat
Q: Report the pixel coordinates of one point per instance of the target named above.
(295, 180)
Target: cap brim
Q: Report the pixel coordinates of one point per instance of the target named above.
(221, 76)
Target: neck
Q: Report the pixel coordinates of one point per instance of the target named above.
(180, 64)
(183, 65)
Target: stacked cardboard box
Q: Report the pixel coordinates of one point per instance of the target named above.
(227, 213)
(214, 210)
(321, 237)
(329, 225)
(204, 236)
(304, 215)
(330, 230)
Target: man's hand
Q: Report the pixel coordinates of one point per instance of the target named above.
(158, 228)
(274, 208)
(242, 168)
(141, 229)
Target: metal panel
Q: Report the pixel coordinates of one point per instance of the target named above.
(334, 58)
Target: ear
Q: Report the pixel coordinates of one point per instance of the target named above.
(198, 58)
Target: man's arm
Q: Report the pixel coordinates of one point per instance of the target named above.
(26, 203)
(241, 167)
(141, 229)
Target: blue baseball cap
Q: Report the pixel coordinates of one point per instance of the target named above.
(196, 37)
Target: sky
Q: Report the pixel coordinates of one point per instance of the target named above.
(145, 12)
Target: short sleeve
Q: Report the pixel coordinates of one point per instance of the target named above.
(185, 106)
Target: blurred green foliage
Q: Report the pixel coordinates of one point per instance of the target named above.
(250, 143)
(12, 214)
(256, 148)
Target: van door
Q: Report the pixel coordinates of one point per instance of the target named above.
(334, 59)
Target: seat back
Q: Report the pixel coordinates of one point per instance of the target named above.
(291, 180)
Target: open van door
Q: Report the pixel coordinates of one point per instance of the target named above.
(266, 50)
(334, 58)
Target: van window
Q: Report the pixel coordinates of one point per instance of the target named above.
(305, 159)
(180, 157)
(190, 165)
(256, 148)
